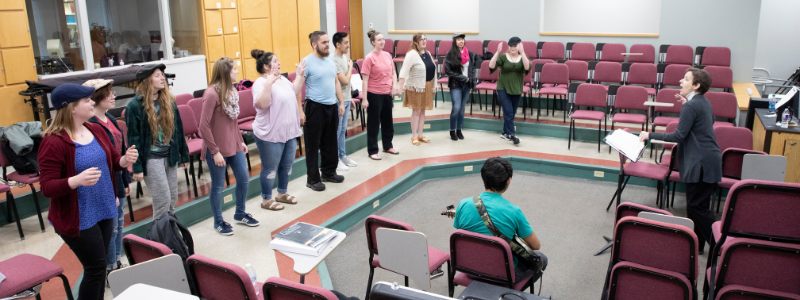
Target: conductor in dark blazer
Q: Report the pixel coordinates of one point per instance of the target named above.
(700, 165)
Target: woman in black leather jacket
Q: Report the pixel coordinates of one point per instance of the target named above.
(459, 66)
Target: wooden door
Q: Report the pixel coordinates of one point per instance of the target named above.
(792, 153)
(342, 16)
(19, 65)
(14, 29)
(357, 31)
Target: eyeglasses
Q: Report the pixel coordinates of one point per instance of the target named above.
(424, 39)
(113, 93)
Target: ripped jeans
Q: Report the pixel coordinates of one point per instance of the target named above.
(115, 246)
(276, 161)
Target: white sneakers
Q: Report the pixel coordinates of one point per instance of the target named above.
(341, 166)
(345, 163)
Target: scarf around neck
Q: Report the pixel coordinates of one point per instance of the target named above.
(232, 110)
(464, 55)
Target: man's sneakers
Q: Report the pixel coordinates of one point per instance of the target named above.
(341, 166)
(512, 138)
(224, 228)
(505, 137)
(515, 139)
(347, 161)
(246, 219)
(335, 178)
(319, 186)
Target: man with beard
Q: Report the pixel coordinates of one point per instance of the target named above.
(323, 106)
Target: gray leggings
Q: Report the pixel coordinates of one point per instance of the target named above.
(162, 180)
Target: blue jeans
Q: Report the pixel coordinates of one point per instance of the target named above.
(238, 164)
(276, 161)
(458, 96)
(115, 246)
(342, 131)
(510, 104)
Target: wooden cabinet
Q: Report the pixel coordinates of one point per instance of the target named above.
(232, 46)
(792, 153)
(215, 49)
(249, 69)
(12, 5)
(230, 21)
(212, 4)
(308, 21)
(2, 71)
(19, 65)
(238, 63)
(256, 34)
(255, 9)
(213, 22)
(14, 29)
(284, 34)
(14, 110)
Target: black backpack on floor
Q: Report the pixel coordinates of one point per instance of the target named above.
(167, 230)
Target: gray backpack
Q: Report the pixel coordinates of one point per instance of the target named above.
(167, 230)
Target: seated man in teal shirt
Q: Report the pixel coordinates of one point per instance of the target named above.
(507, 217)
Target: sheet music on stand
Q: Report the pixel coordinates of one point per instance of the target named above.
(626, 143)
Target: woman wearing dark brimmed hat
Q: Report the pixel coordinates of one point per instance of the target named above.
(155, 128)
(513, 65)
(76, 159)
(459, 66)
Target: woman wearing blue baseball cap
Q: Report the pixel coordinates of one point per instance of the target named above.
(76, 159)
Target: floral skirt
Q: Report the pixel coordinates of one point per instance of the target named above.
(420, 100)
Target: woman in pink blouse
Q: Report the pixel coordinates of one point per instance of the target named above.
(380, 82)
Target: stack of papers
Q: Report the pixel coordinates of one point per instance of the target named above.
(302, 238)
(626, 143)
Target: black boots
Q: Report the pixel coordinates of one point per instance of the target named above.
(460, 136)
(453, 135)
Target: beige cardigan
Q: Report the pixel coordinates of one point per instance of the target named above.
(413, 71)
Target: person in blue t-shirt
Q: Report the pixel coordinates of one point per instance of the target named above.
(323, 106)
(507, 217)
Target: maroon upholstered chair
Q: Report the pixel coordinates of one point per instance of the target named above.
(666, 248)
(635, 281)
(443, 48)
(679, 54)
(582, 51)
(492, 47)
(276, 288)
(431, 47)
(12, 207)
(716, 56)
(553, 80)
(183, 99)
(197, 109)
(628, 209)
(389, 46)
(24, 179)
(673, 74)
(578, 70)
(666, 96)
(723, 105)
(740, 292)
(402, 49)
(613, 52)
(488, 82)
(608, 72)
(721, 77)
(593, 96)
(643, 73)
(139, 250)
(443, 79)
(436, 257)
(552, 50)
(26, 271)
(474, 46)
(216, 280)
(639, 169)
(734, 142)
(484, 258)
(648, 54)
(247, 112)
(758, 264)
(530, 49)
(630, 98)
(195, 145)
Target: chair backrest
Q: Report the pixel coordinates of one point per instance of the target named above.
(492, 47)
(198, 93)
(721, 77)
(759, 264)
(668, 96)
(630, 209)
(613, 52)
(484, 74)
(740, 292)
(474, 46)
(444, 47)
(582, 51)
(190, 126)
(183, 99)
(635, 281)
(724, 105)
(555, 74)
(246, 108)
(764, 210)
(141, 250)
(578, 70)
(607, 71)
(292, 76)
(530, 49)
(123, 128)
(165, 272)
(402, 47)
(642, 73)
(374, 222)
(197, 108)
(216, 280)
(389, 46)
(656, 244)
(648, 54)
(761, 166)
(673, 74)
(631, 97)
(405, 253)
(733, 138)
(4, 162)
(486, 257)
(593, 95)
(675, 158)
(679, 54)
(276, 288)
(716, 56)
(552, 50)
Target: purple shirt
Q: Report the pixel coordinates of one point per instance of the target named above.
(279, 122)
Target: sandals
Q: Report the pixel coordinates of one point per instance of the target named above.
(286, 198)
(423, 139)
(415, 141)
(273, 205)
(375, 157)
(391, 151)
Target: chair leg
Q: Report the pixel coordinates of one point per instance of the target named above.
(612, 129)
(450, 275)
(67, 289)
(569, 137)
(599, 129)
(369, 281)
(194, 179)
(12, 205)
(565, 111)
(719, 198)
(406, 281)
(673, 194)
(620, 187)
(38, 208)
(608, 245)
(130, 209)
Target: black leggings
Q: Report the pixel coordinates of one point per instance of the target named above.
(90, 247)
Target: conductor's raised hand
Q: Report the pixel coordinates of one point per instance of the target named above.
(301, 68)
(680, 98)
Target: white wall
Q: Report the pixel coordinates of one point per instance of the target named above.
(729, 23)
(427, 15)
(329, 21)
(608, 16)
(778, 43)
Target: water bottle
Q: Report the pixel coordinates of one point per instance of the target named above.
(252, 273)
(785, 119)
(772, 102)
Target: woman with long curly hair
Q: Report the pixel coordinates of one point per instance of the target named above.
(155, 128)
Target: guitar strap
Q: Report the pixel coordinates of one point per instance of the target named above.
(531, 259)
